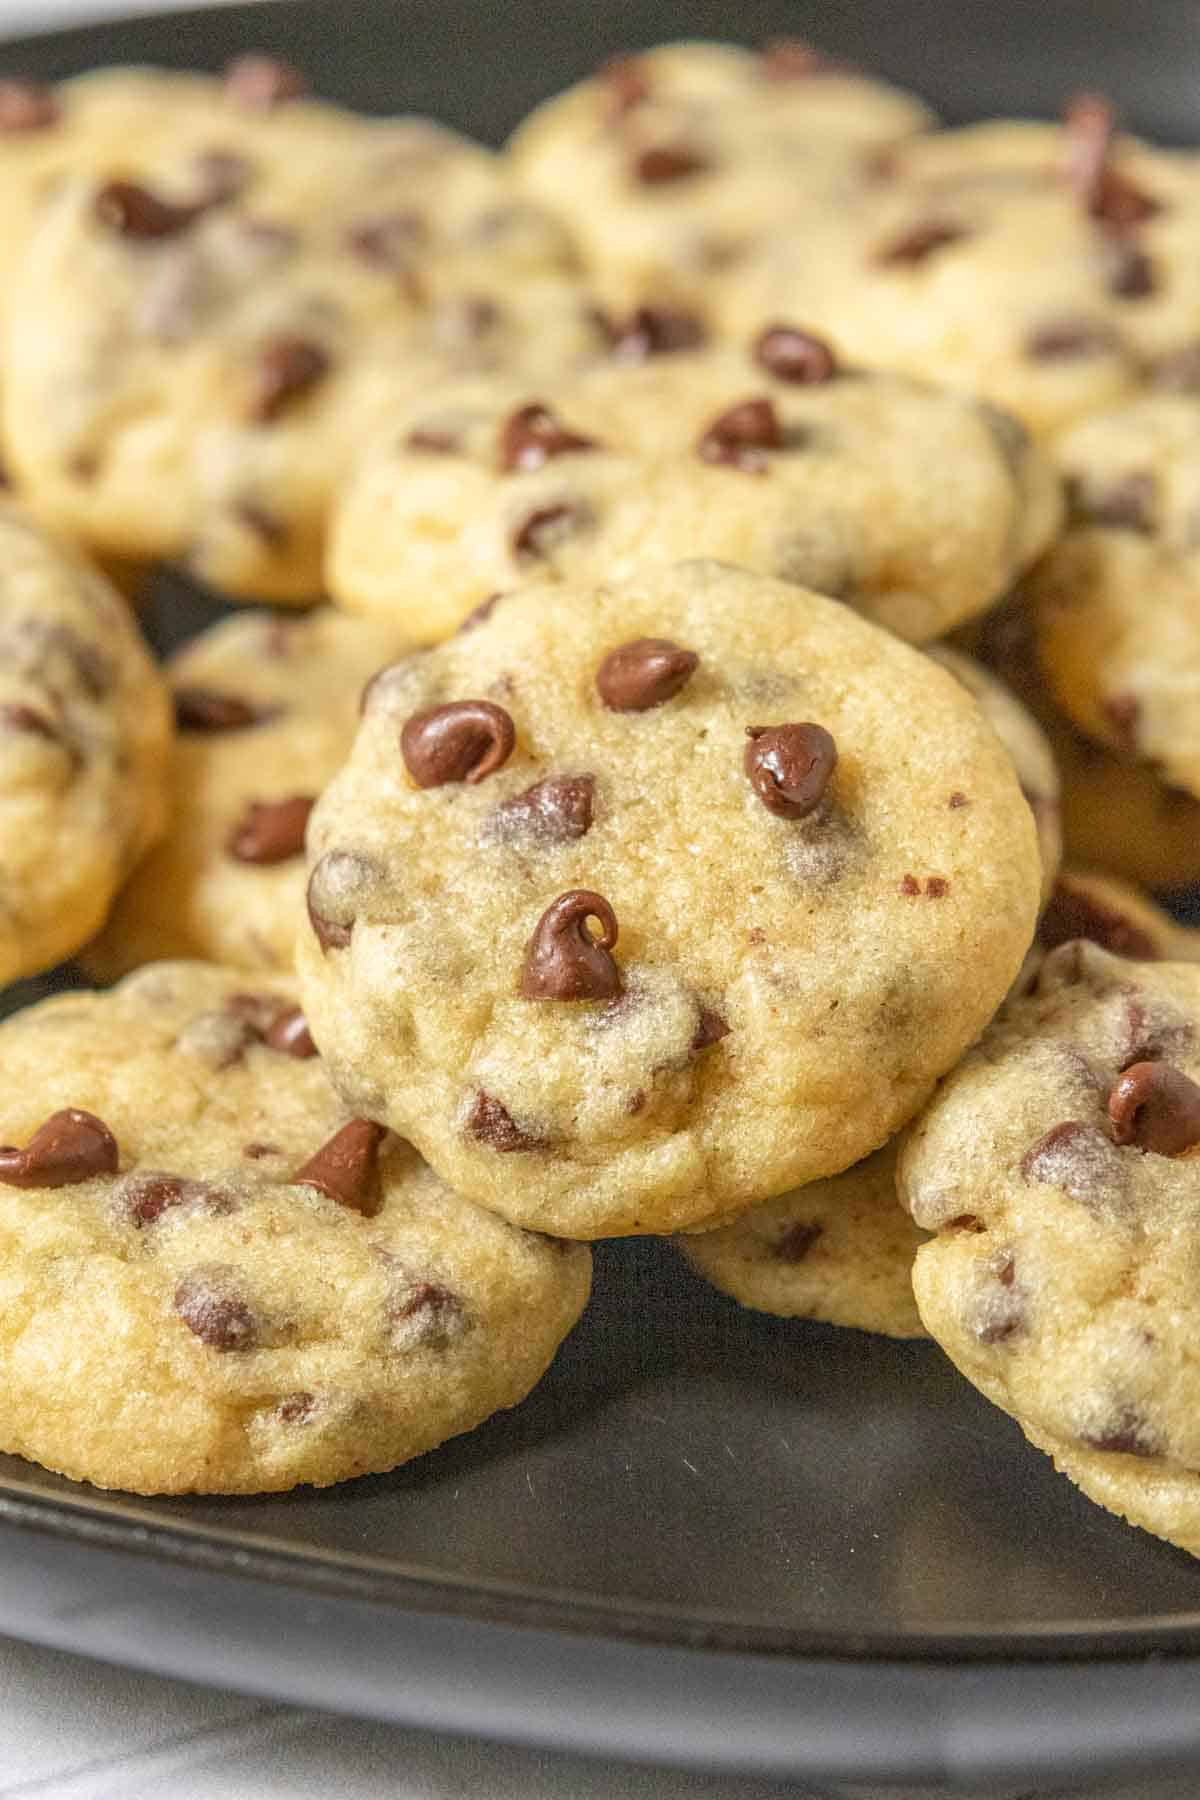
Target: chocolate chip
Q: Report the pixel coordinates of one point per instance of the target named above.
(494, 1125)
(793, 355)
(1072, 912)
(796, 1242)
(936, 887)
(334, 887)
(645, 673)
(999, 1310)
(261, 83)
(543, 529)
(27, 719)
(626, 83)
(466, 740)
(533, 435)
(71, 1146)
(144, 1198)
(208, 710)
(554, 811)
(1110, 197)
(388, 243)
(296, 1409)
(27, 106)
(741, 435)
(660, 164)
(1156, 1107)
(710, 1029)
(1071, 339)
(346, 1168)
(915, 245)
(1128, 1435)
(290, 1035)
(479, 615)
(211, 1308)
(1123, 713)
(790, 767)
(256, 1151)
(434, 440)
(1078, 1159)
(957, 799)
(910, 885)
(1129, 274)
(1128, 504)
(563, 960)
(653, 331)
(286, 369)
(271, 831)
(425, 1315)
(136, 212)
(1151, 1032)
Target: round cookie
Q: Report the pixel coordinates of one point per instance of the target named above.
(1025, 742)
(781, 971)
(1039, 267)
(227, 347)
(266, 709)
(84, 745)
(1116, 619)
(213, 1280)
(915, 506)
(668, 163)
(840, 1250)
(1057, 1165)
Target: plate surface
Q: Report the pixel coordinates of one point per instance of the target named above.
(709, 1536)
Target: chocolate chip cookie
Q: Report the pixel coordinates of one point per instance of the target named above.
(1116, 915)
(658, 895)
(215, 1279)
(266, 709)
(913, 505)
(84, 745)
(1057, 1166)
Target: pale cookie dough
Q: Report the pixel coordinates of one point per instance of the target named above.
(267, 710)
(840, 1250)
(669, 163)
(1040, 267)
(794, 952)
(225, 347)
(84, 744)
(1058, 1166)
(213, 1280)
(915, 506)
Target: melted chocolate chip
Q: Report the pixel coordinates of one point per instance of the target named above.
(914, 246)
(27, 106)
(271, 831)
(72, 1146)
(209, 1305)
(741, 436)
(554, 811)
(479, 615)
(1071, 340)
(286, 369)
(793, 355)
(653, 331)
(388, 243)
(26, 719)
(136, 212)
(1129, 273)
(277, 1024)
(643, 674)
(261, 83)
(1156, 1107)
(466, 740)
(710, 1029)
(332, 897)
(296, 1409)
(1072, 912)
(208, 710)
(999, 1312)
(796, 1242)
(564, 961)
(1078, 1159)
(790, 767)
(936, 887)
(425, 1315)
(144, 1198)
(346, 1168)
(1128, 504)
(533, 435)
(1128, 1435)
(434, 440)
(494, 1125)
(660, 164)
(538, 534)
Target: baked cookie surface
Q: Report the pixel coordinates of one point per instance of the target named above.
(787, 827)
(213, 1279)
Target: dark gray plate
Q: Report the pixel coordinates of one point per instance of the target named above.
(708, 1537)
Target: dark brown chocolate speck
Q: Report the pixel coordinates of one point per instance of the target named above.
(209, 710)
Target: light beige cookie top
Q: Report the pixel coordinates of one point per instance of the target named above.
(1040, 267)
(840, 1250)
(668, 163)
(84, 743)
(913, 505)
(226, 342)
(1025, 742)
(1058, 1166)
(213, 1279)
(267, 709)
(1116, 619)
(787, 827)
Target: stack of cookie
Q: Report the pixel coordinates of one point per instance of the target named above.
(625, 850)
